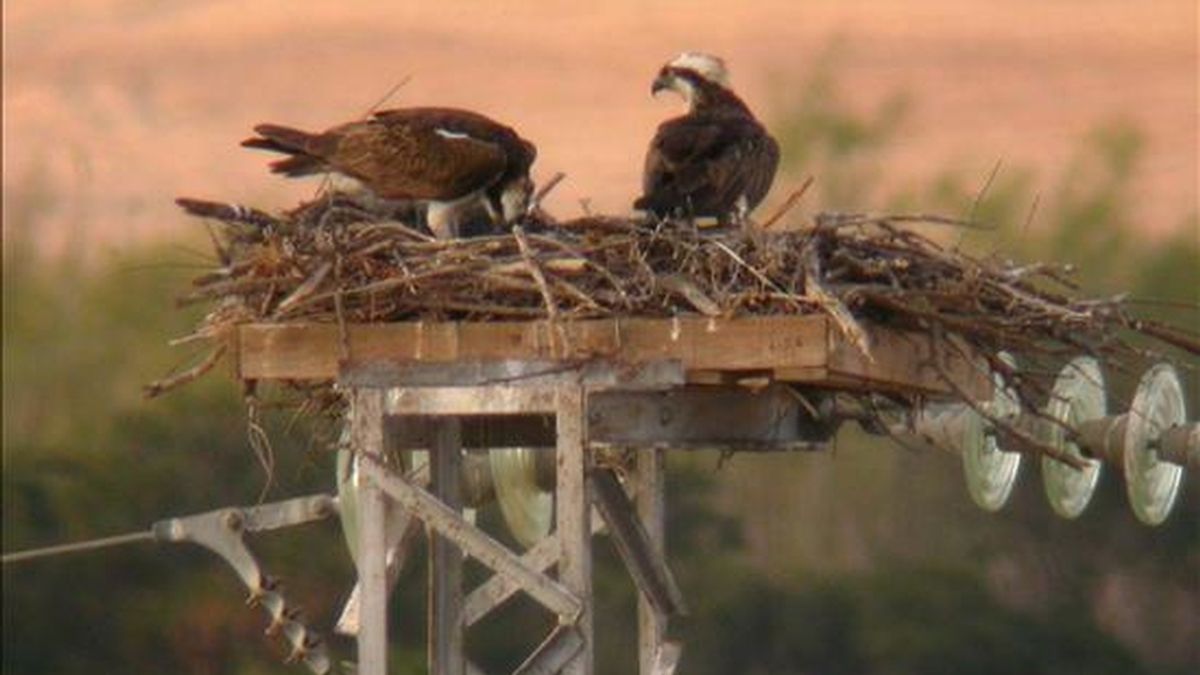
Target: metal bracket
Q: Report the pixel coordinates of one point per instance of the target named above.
(221, 531)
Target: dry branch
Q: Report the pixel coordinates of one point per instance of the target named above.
(335, 261)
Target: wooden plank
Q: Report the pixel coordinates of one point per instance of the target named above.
(649, 481)
(555, 652)
(573, 510)
(643, 560)
(446, 645)
(804, 348)
(594, 374)
(311, 351)
(478, 431)
(687, 417)
(404, 532)
(705, 415)
(486, 400)
(666, 659)
(463, 373)
(366, 437)
(903, 360)
(476, 543)
(495, 591)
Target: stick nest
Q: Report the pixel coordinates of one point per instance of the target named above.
(334, 261)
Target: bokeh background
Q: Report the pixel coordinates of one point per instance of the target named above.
(1069, 126)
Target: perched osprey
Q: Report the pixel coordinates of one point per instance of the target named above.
(715, 161)
(450, 159)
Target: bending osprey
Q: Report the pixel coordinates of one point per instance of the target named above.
(451, 159)
(715, 161)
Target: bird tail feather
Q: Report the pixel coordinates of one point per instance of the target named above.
(288, 141)
(283, 138)
(229, 213)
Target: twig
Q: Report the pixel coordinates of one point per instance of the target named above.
(834, 307)
(984, 190)
(750, 268)
(681, 285)
(535, 271)
(160, 387)
(390, 93)
(305, 289)
(544, 190)
(788, 203)
(260, 443)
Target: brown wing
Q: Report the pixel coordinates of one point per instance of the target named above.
(758, 172)
(416, 153)
(519, 153)
(703, 165)
(415, 156)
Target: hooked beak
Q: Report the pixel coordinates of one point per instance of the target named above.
(661, 83)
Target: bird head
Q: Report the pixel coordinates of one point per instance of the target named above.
(514, 198)
(686, 73)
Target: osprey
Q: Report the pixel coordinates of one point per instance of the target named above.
(715, 161)
(450, 159)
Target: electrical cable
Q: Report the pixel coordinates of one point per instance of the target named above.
(63, 549)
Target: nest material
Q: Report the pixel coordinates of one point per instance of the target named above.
(333, 260)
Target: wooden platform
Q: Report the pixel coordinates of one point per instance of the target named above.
(800, 349)
(573, 386)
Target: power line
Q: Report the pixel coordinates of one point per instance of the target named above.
(63, 549)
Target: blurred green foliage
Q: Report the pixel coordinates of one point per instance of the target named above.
(865, 560)
(898, 620)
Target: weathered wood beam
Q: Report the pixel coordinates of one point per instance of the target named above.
(666, 658)
(705, 416)
(555, 652)
(493, 592)
(693, 416)
(447, 655)
(649, 483)
(476, 543)
(595, 374)
(496, 590)
(366, 437)
(486, 400)
(405, 532)
(478, 431)
(806, 349)
(643, 560)
(402, 530)
(311, 351)
(573, 510)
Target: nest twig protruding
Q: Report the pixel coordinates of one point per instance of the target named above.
(851, 267)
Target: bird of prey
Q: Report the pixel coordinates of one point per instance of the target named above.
(715, 161)
(451, 159)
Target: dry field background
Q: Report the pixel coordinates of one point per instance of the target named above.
(113, 107)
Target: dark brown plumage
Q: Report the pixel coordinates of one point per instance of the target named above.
(446, 157)
(715, 161)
